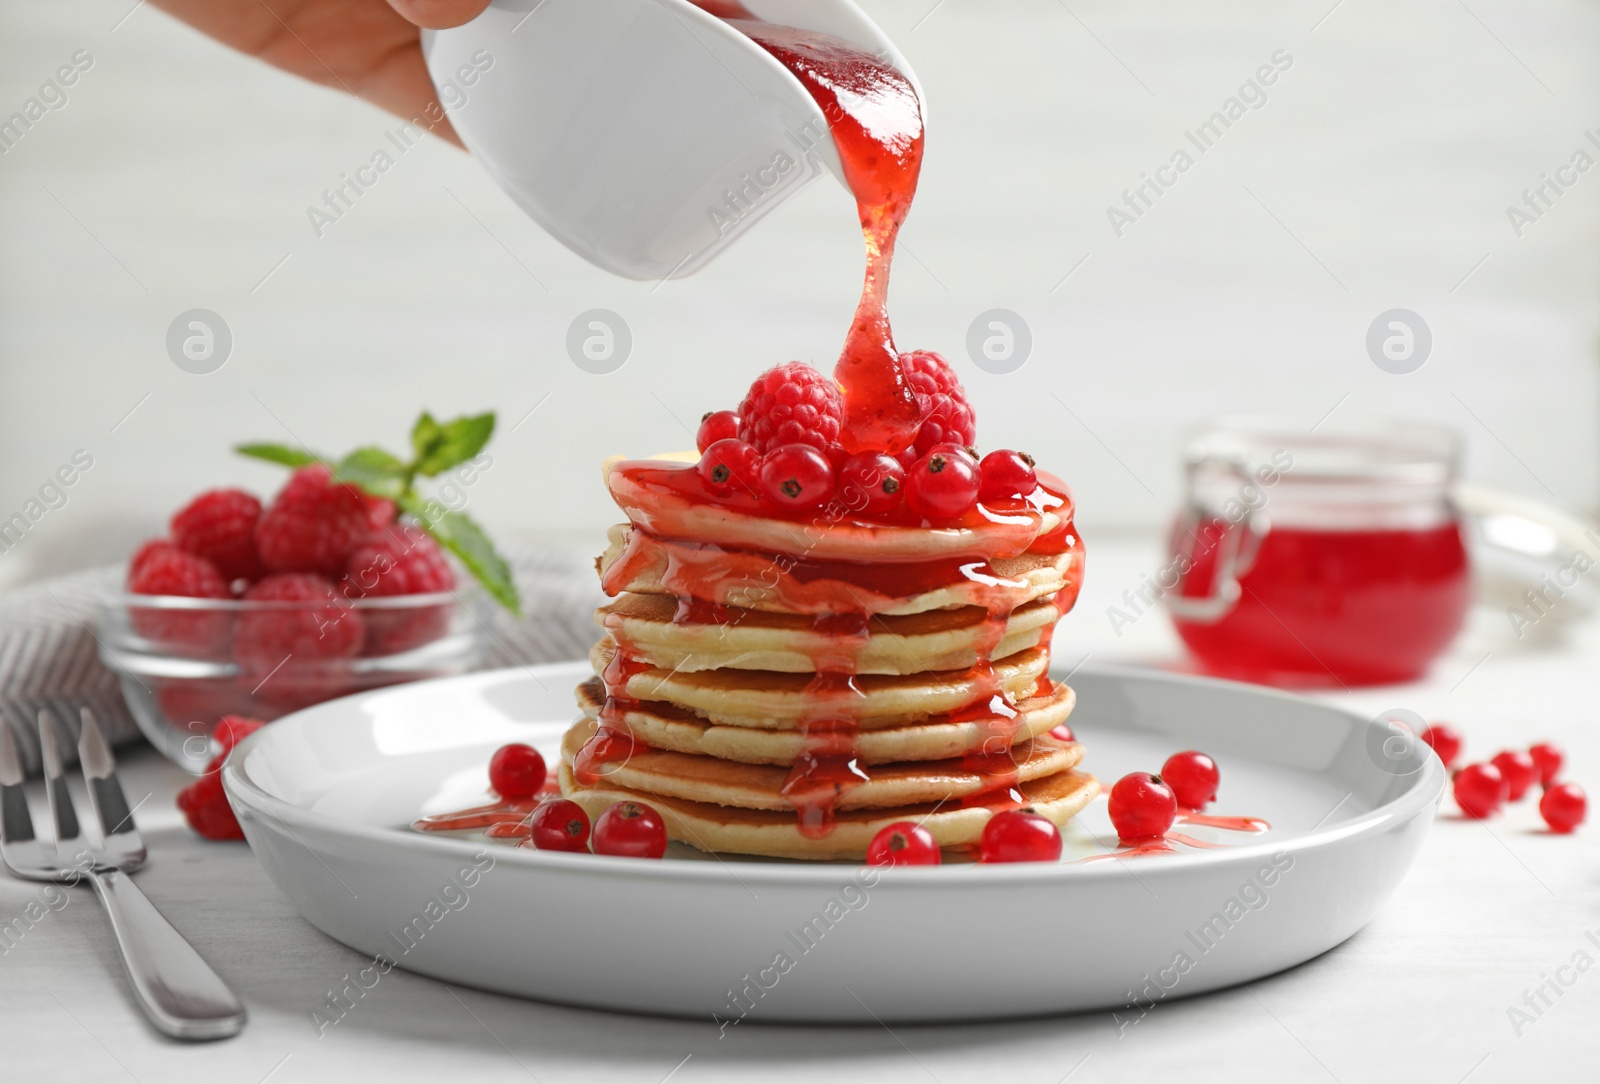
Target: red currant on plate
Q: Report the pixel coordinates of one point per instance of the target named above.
(714, 426)
(797, 476)
(1192, 777)
(1445, 740)
(730, 465)
(903, 843)
(1520, 772)
(943, 484)
(1480, 790)
(1017, 835)
(872, 483)
(560, 825)
(1006, 475)
(516, 771)
(630, 830)
(1563, 807)
(1142, 806)
(1549, 757)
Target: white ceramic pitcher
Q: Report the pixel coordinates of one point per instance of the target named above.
(645, 135)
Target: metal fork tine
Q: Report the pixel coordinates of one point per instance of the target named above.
(106, 797)
(16, 826)
(55, 785)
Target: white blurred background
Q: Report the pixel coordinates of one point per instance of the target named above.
(178, 174)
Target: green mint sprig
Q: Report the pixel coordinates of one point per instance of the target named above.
(435, 448)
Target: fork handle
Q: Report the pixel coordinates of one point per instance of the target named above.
(177, 990)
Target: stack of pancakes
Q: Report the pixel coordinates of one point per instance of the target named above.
(786, 706)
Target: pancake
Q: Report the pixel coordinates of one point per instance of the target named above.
(824, 536)
(762, 640)
(663, 726)
(773, 701)
(760, 786)
(729, 830)
(638, 562)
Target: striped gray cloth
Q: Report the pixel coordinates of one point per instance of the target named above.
(49, 655)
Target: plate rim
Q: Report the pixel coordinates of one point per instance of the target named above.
(1421, 797)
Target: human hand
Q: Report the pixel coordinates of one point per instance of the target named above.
(371, 48)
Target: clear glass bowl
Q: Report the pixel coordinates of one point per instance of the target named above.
(184, 663)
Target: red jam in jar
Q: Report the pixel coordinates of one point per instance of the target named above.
(1319, 559)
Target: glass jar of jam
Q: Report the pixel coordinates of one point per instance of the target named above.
(1319, 558)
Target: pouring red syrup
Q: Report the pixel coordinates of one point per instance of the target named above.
(876, 120)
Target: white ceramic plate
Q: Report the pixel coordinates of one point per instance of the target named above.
(324, 796)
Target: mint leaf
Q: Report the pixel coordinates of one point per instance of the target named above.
(279, 453)
(375, 471)
(439, 446)
(456, 532)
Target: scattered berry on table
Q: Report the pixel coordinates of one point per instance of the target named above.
(1563, 807)
(205, 806)
(1549, 757)
(1480, 790)
(1519, 770)
(1445, 740)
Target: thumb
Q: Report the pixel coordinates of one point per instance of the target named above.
(438, 14)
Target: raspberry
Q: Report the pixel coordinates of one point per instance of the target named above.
(233, 729)
(792, 404)
(220, 525)
(400, 561)
(315, 522)
(946, 415)
(282, 651)
(205, 806)
(160, 568)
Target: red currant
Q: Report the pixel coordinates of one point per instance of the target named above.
(714, 426)
(872, 483)
(903, 843)
(1520, 772)
(1062, 733)
(516, 771)
(1006, 475)
(797, 476)
(560, 825)
(1563, 807)
(730, 464)
(1192, 777)
(1017, 835)
(943, 484)
(1142, 806)
(630, 830)
(1549, 757)
(1480, 790)
(1445, 740)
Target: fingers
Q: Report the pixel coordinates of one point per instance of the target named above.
(439, 14)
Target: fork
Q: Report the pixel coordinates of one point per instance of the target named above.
(177, 990)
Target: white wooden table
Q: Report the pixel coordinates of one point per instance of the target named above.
(1421, 995)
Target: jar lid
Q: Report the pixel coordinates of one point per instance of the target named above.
(1407, 453)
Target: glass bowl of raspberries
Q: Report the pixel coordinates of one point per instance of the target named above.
(256, 610)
